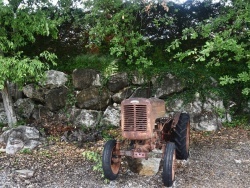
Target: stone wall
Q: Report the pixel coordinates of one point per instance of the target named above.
(87, 101)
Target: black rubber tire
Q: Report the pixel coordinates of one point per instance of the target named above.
(182, 136)
(168, 174)
(110, 168)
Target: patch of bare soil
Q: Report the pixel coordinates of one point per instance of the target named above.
(217, 159)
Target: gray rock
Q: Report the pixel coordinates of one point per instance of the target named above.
(123, 94)
(36, 93)
(85, 78)
(55, 79)
(25, 173)
(144, 167)
(41, 111)
(19, 138)
(85, 118)
(205, 115)
(143, 92)
(24, 107)
(150, 166)
(117, 82)
(167, 86)
(32, 144)
(93, 99)
(14, 145)
(56, 98)
(111, 116)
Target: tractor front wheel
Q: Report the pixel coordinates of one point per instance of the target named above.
(169, 161)
(111, 162)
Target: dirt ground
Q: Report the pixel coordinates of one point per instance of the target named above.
(217, 159)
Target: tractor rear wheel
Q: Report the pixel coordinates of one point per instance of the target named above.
(169, 161)
(111, 162)
(182, 136)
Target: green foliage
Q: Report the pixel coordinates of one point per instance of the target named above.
(45, 153)
(96, 158)
(26, 151)
(21, 22)
(109, 132)
(20, 123)
(221, 43)
(115, 23)
(20, 69)
(19, 25)
(53, 139)
(2, 125)
(104, 63)
(239, 121)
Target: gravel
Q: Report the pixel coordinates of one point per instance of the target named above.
(217, 159)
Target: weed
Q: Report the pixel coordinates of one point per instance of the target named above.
(95, 157)
(2, 125)
(26, 151)
(42, 131)
(45, 153)
(207, 133)
(53, 139)
(239, 121)
(20, 123)
(110, 132)
(71, 98)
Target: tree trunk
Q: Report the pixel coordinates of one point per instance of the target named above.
(8, 106)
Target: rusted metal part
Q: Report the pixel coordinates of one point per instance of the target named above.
(116, 160)
(164, 128)
(140, 155)
(118, 145)
(138, 117)
(175, 119)
(134, 154)
(143, 122)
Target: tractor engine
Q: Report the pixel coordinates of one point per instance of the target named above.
(138, 117)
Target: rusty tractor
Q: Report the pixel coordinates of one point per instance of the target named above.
(145, 128)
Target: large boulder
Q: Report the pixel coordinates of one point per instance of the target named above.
(122, 94)
(55, 79)
(24, 107)
(206, 121)
(142, 92)
(22, 137)
(84, 118)
(167, 85)
(111, 116)
(93, 99)
(117, 82)
(37, 93)
(207, 115)
(145, 167)
(40, 112)
(85, 78)
(56, 98)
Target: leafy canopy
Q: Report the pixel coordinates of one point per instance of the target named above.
(21, 21)
(222, 42)
(115, 25)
